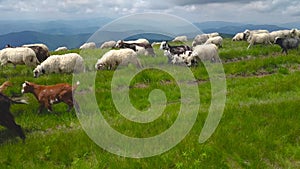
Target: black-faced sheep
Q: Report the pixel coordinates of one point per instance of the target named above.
(113, 58)
(287, 43)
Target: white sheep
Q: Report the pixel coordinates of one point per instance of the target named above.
(260, 38)
(108, 44)
(62, 48)
(248, 32)
(203, 53)
(45, 47)
(214, 34)
(144, 41)
(18, 56)
(200, 39)
(180, 39)
(238, 37)
(217, 40)
(113, 58)
(280, 34)
(295, 33)
(67, 63)
(88, 45)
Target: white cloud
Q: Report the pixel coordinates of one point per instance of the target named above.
(193, 10)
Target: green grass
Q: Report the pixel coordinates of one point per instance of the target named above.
(259, 128)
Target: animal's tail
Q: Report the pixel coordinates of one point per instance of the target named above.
(18, 101)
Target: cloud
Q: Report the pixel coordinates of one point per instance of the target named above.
(194, 10)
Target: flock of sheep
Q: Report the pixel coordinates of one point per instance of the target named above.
(204, 48)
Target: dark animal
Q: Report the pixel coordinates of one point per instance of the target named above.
(6, 118)
(174, 50)
(52, 94)
(134, 46)
(287, 43)
(41, 53)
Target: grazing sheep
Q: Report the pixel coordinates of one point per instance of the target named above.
(62, 48)
(5, 85)
(207, 52)
(67, 63)
(217, 40)
(287, 43)
(200, 39)
(238, 37)
(113, 58)
(261, 38)
(108, 44)
(295, 33)
(18, 56)
(180, 39)
(89, 45)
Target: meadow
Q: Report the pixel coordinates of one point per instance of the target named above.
(259, 128)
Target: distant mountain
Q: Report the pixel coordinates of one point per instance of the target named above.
(52, 41)
(63, 27)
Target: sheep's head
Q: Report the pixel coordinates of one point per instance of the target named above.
(278, 40)
(38, 71)
(164, 46)
(100, 66)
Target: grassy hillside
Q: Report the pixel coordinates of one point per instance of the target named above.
(259, 128)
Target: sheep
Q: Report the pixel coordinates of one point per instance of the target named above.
(141, 40)
(113, 58)
(108, 44)
(248, 32)
(62, 48)
(295, 33)
(238, 37)
(139, 48)
(180, 39)
(287, 43)
(89, 45)
(207, 52)
(41, 53)
(174, 49)
(67, 63)
(18, 56)
(200, 39)
(214, 34)
(217, 40)
(281, 34)
(261, 38)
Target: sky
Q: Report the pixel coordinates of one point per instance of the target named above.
(244, 11)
